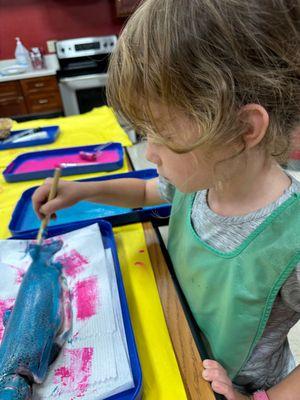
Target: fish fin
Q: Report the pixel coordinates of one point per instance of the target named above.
(66, 314)
(54, 352)
(41, 372)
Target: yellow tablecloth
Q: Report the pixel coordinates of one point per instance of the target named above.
(161, 376)
(97, 126)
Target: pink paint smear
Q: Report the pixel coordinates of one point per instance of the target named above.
(139, 263)
(76, 376)
(20, 273)
(4, 305)
(73, 262)
(86, 294)
(51, 162)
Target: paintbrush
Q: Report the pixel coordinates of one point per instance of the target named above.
(51, 196)
(20, 135)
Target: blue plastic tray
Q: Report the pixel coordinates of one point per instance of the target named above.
(11, 175)
(52, 133)
(24, 218)
(109, 242)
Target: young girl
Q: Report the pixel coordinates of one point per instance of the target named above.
(215, 86)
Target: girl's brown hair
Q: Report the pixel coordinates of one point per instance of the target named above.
(208, 58)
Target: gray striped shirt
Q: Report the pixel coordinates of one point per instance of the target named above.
(271, 359)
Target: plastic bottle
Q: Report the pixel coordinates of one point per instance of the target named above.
(22, 54)
(36, 58)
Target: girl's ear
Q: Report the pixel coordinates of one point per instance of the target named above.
(257, 120)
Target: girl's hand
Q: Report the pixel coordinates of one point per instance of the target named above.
(220, 382)
(68, 193)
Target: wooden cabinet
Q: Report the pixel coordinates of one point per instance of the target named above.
(43, 102)
(30, 96)
(11, 99)
(41, 94)
(126, 7)
(39, 85)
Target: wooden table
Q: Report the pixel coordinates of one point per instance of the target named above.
(186, 351)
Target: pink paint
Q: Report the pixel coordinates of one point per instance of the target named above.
(86, 293)
(20, 273)
(4, 305)
(75, 335)
(139, 263)
(76, 376)
(73, 262)
(69, 314)
(51, 162)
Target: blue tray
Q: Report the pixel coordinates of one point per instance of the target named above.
(109, 242)
(24, 218)
(52, 133)
(10, 174)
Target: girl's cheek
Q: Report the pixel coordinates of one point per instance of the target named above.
(151, 153)
(154, 158)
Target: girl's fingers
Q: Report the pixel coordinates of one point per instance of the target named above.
(215, 369)
(215, 374)
(225, 390)
(51, 206)
(53, 216)
(39, 197)
(212, 364)
(219, 379)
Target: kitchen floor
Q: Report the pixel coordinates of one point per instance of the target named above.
(138, 159)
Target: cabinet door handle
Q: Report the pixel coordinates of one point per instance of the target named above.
(38, 85)
(43, 101)
(14, 100)
(8, 94)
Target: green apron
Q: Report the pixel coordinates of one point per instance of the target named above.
(231, 294)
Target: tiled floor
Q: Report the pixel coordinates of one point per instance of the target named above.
(137, 155)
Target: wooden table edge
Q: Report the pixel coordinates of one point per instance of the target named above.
(186, 351)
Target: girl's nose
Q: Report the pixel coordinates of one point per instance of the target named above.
(152, 154)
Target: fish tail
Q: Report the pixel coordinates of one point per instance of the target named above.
(15, 387)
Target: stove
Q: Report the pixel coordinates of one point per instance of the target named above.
(82, 76)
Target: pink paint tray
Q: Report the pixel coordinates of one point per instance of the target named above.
(41, 164)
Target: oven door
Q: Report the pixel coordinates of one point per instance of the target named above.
(82, 93)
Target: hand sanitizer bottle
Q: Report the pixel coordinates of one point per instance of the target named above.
(22, 54)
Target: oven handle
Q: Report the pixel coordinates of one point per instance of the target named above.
(83, 78)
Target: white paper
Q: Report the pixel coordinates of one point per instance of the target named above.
(94, 363)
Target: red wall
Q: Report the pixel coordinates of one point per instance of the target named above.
(37, 21)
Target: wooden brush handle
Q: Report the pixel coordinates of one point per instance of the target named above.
(52, 194)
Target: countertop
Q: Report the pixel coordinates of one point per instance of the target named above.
(51, 66)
